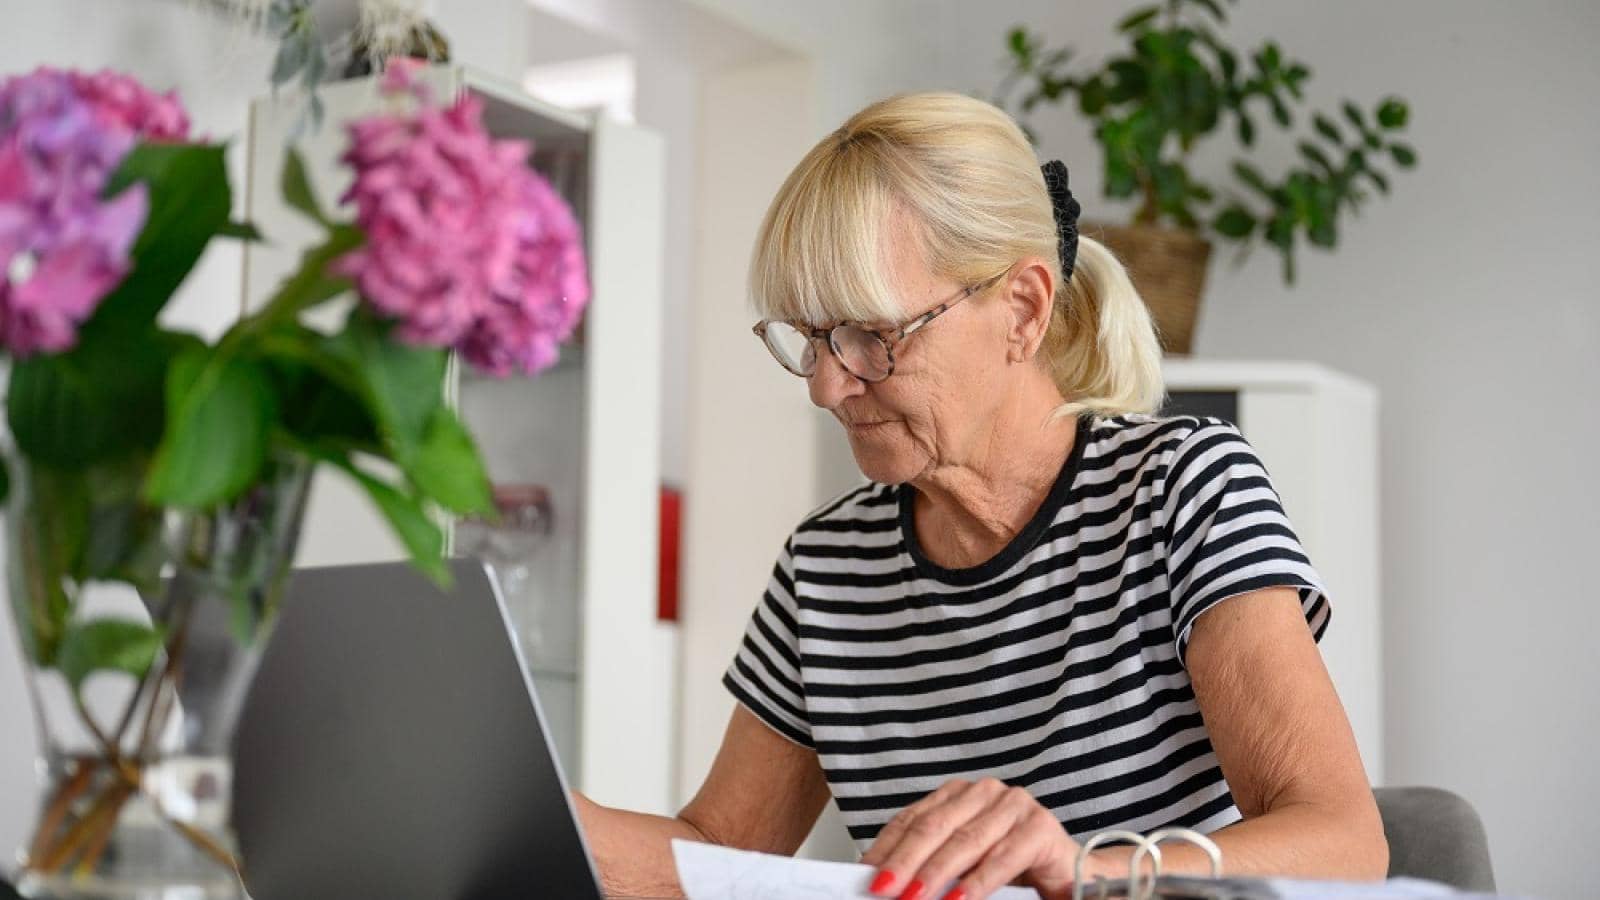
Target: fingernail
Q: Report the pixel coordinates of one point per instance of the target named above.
(882, 882)
(914, 891)
(957, 894)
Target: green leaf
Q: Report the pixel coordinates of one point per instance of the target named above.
(293, 52)
(1249, 175)
(48, 538)
(1270, 56)
(448, 470)
(101, 399)
(1169, 183)
(1138, 17)
(1403, 155)
(1353, 113)
(5, 480)
(120, 645)
(297, 190)
(1316, 156)
(1327, 129)
(125, 537)
(1235, 222)
(189, 203)
(404, 383)
(1324, 234)
(321, 399)
(1017, 40)
(410, 521)
(242, 231)
(1280, 112)
(312, 283)
(216, 440)
(1092, 96)
(1120, 181)
(1381, 182)
(1129, 80)
(1392, 113)
(1214, 8)
(1247, 130)
(1229, 62)
(1280, 232)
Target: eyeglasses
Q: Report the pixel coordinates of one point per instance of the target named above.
(866, 353)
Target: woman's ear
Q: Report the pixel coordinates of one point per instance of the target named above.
(1030, 295)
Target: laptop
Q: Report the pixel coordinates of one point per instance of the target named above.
(392, 746)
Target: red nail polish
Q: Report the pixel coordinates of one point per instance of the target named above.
(957, 894)
(914, 891)
(882, 882)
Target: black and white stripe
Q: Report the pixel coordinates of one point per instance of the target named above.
(1058, 665)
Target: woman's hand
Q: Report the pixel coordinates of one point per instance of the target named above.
(984, 833)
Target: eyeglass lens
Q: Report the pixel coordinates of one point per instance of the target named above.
(861, 352)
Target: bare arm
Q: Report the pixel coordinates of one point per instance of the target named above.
(763, 793)
(1285, 746)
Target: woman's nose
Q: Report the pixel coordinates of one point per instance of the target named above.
(830, 384)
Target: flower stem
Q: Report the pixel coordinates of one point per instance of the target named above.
(60, 804)
(100, 833)
(106, 805)
(200, 839)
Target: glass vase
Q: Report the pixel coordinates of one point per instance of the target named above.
(141, 629)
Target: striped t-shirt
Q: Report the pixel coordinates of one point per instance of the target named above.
(1057, 665)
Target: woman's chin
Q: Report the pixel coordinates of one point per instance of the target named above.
(884, 464)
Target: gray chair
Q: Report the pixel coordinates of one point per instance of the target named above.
(1437, 835)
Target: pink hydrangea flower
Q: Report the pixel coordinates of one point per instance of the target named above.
(126, 105)
(63, 248)
(466, 246)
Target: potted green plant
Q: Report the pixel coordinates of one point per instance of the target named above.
(1176, 83)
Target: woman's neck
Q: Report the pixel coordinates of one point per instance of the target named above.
(967, 510)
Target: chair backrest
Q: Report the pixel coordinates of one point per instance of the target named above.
(1437, 835)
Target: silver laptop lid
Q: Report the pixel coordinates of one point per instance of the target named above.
(392, 746)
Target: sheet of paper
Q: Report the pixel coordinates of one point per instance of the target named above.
(1393, 889)
(709, 872)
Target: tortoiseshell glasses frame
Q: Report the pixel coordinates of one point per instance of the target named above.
(866, 353)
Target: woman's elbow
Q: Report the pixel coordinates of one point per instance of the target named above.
(1369, 845)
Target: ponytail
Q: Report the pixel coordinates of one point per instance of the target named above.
(1101, 345)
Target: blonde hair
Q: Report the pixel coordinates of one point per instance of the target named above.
(969, 178)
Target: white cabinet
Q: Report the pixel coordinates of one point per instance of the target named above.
(588, 430)
(1316, 431)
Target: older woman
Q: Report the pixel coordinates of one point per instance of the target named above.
(1049, 612)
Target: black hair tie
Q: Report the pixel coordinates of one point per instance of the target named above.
(1066, 211)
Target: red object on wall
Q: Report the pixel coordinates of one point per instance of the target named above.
(667, 566)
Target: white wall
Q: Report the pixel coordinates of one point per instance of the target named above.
(1468, 297)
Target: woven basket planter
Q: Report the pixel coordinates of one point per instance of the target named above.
(1168, 266)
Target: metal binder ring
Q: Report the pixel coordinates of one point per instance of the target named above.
(1186, 835)
(1145, 846)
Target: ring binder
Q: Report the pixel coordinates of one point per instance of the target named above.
(1136, 887)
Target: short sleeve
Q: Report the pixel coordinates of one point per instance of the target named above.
(765, 674)
(1227, 533)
